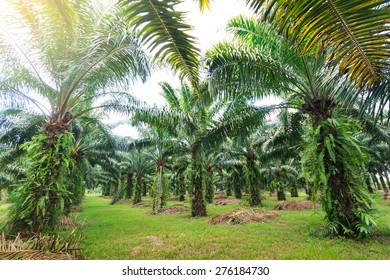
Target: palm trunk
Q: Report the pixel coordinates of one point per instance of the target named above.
(294, 191)
(106, 190)
(182, 189)
(375, 180)
(209, 184)
(44, 193)
(236, 185)
(198, 207)
(138, 189)
(252, 181)
(384, 187)
(129, 185)
(158, 193)
(368, 183)
(344, 199)
(228, 186)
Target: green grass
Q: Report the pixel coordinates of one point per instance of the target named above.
(123, 232)
(3, 210)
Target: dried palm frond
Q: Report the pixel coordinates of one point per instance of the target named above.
(40, 245)
(243, 215)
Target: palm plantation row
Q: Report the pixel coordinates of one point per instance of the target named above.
(327, 61)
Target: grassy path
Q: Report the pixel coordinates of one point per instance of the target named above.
(123, 232)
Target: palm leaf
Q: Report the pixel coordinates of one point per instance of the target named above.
(164, 30)
(356, 31)
(203, 4)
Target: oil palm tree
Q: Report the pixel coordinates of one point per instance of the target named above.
(262, 62)
(69, 55)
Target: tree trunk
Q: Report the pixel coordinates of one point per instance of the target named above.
(252, 181)
(129, 185)
(344, 198)
(138, 190)
(158, 192)
(383, 185)
(106, 190)
(182, 188)
(198, 207)
(144, 188)
(44, 192)
(228, 186)
(209, 184)
(118, 195)
(375, 180)
(294, 191)
(368, 183)
(236, 185)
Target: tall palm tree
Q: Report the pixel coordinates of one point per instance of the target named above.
(261, 62)
(69, 55)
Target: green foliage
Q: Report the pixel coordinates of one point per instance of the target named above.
(333, 162)
(40, 198)
(355, 31)
(163, 29)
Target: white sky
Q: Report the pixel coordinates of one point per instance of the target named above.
(208, 29)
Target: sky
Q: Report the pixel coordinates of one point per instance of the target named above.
(208, 29)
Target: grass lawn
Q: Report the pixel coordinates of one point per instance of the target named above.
(3, 211)
(123, 232)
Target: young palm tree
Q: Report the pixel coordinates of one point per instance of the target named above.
(159, 145)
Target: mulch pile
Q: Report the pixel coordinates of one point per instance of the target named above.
(243, 215)
(294, 205)
(174, 209)
(220, 195)
(221, 202)
(141, 205)
(125, 201)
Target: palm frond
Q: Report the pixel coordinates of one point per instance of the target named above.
(203, 4)
(231, 124)
(355, 31)
(164, 30)
(237, 69)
